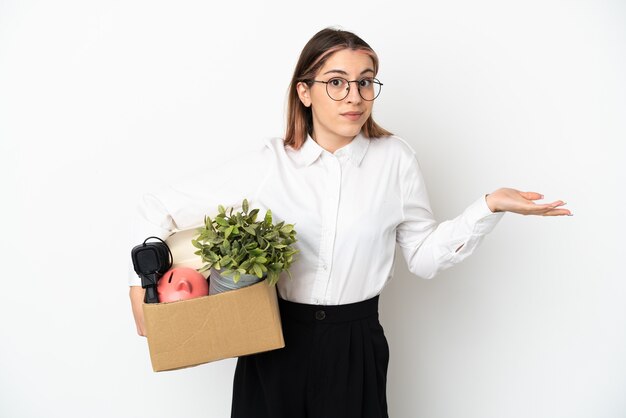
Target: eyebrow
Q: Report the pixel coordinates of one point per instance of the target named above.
(368, 70)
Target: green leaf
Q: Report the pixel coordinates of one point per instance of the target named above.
(286, 229)
(221, 221)
(276, 266)
(226, 261)
(271, 235)
(252, 215)
(221, 209)
(273, 277)
(268, 217)
(257, 270)
(228, 231)
(245, 206)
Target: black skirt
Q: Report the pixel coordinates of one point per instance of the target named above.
(334, 365)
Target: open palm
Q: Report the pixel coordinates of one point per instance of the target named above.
(511, 200)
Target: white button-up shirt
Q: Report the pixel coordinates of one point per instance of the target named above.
(349, 209)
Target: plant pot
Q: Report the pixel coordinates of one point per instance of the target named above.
(219, 283)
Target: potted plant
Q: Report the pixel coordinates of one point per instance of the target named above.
(240, 250)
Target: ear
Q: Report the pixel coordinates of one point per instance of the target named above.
(304, 93)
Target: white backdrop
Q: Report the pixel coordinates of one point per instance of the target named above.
(101, 100)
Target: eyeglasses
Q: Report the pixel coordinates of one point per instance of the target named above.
(338, 88)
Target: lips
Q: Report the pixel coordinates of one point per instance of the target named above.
(352, 115)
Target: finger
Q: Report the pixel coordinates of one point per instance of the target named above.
(553, 208)
(532, 195)
(554, 204)
(547, 208)
(558, 212)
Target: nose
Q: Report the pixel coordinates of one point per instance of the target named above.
(353, 94)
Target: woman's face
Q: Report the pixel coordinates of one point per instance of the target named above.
(339, 121)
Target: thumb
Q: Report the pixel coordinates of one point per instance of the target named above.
(532, 195)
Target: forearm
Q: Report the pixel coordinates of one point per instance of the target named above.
(450, 241)
(136, 294)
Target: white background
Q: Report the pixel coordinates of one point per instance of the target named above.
(102, 100)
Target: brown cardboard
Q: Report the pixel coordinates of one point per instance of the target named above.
(195, 331)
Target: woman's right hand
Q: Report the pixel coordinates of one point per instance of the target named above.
(136, 301)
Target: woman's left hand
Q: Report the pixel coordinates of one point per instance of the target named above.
(511, 200)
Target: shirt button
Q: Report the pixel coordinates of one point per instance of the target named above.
(324, 267)
(320, 315)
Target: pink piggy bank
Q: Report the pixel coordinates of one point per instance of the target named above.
(181, 283)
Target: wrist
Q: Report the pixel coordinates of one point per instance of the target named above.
(490, 203)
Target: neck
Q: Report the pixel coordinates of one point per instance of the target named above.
(331, 144)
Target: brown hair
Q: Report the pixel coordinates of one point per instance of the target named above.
(313, 56)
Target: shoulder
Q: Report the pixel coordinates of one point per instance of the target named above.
(275, 146)
(269, 151)
(260, 150)
(395, 144)
(394, 148)
(274, 143)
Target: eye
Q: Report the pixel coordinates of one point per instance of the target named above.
(336, 82)
(366, 82)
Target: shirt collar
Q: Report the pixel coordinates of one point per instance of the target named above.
(355, 150)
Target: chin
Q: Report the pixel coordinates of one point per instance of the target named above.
(350, 131)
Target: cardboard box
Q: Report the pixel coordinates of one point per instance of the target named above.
(196, 331)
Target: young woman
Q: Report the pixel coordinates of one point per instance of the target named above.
(353, 190)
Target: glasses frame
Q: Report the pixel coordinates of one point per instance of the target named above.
(374, 80)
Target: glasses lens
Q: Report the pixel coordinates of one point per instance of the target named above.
(369, 88)
(337, 88)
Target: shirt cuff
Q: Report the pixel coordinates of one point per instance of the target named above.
(479, 214)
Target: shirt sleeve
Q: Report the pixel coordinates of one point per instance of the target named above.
(428, 247)
(182, 204)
